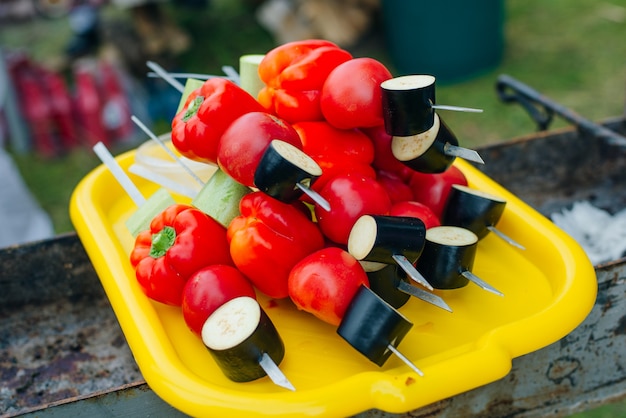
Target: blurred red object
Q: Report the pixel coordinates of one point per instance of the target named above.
(88, 104)
(116, 113)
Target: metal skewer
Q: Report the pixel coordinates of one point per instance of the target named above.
(505, 237)
(423, 295)
(197, 76)
(274, 373)
(231, 73)
(411, 271)
(165, 76)
(315, 196)
(481, 283)
(402, 357)
(464, 153)
(457, 108)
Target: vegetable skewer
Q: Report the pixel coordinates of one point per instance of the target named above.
(409, 112)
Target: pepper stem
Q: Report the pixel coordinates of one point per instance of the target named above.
(162, 241)
(193, 107)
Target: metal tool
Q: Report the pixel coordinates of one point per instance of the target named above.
(542, 110)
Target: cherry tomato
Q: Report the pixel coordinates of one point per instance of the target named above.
(415, 210)
(350, 196)
(242, 145)
(332, 169)
(433, 189)
(383, 156)
(324, 283)
(397, 190)
(351, 95)
(208, 289)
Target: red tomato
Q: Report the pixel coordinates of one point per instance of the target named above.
(242, 145)
(351, 95)
(383, 156)
(208, 289)
(332, 169)
(415, 210)
(397, 190)
(350, 196)
(324, 283)
(433, 189)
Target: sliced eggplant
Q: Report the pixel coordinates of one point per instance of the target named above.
(374, 328)
(379, 238)
(407, 104)
(448, 258)
(448, 252)
(427, 152)
(388, 240)
(238, 335)
(472, 209)
(385, 283)
(285, 172)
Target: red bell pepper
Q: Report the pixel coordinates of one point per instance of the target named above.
(181, 241)
(337, 151)
(208, 111)
(294, 74)
(268, 239)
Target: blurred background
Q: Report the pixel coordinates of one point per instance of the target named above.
(73, 71)
(92, 54)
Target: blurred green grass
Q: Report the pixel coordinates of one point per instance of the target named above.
(573, 51)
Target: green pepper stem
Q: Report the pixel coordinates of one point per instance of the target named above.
(162, 241)
(193, 107)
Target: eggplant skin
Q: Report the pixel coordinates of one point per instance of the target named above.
(385, 282)
(370, 324)
(443, 264)
(281, 168)
(473, 210)
(407, 104)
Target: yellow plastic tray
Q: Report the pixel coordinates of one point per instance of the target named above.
(549, 289)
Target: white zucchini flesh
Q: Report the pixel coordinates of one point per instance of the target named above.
(231, 324)
(451, 236)
(297, 157)
(362, 237)
(407, 148)
(479, 193)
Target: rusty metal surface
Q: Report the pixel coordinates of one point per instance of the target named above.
(78, 361)
(59, 338)
(551, 170)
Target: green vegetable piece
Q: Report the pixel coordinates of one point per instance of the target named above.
(220, 196)
(157, 203)
(249, 74)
